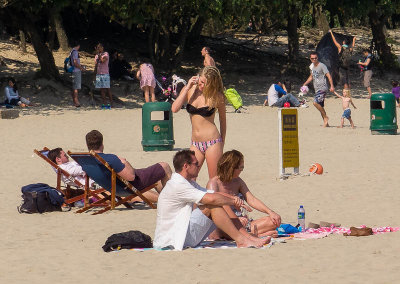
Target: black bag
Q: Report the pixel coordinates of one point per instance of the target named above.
(37, 202)
(127, 240)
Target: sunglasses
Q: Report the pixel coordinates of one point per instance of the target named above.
(196, 164)
(313, 58)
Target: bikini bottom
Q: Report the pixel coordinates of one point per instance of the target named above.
(203, 146)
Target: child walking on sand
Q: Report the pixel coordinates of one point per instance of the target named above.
(346, 101)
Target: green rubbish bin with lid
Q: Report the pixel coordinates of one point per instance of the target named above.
(383, 114)
(157, 127)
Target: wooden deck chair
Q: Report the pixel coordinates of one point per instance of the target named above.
(97, 193)
(122, 191)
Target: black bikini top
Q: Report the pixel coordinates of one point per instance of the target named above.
(203, 111)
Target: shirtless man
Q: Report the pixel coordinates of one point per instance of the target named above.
(318, 73)
(208, 60)
(227, 181)
(346, 101)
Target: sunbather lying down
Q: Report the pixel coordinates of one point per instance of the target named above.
(228, 182)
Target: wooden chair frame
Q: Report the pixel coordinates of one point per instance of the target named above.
(60, 172)
(109, 202)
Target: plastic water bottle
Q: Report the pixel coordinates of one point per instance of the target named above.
(301, 218)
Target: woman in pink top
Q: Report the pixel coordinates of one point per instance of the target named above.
(147, 81)
(102, 73)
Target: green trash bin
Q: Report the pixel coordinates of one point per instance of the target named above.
(383, 114)
(157, 127)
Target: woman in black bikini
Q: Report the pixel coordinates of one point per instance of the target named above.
(204, 95)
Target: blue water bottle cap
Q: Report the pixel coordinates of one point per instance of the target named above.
(301, 206)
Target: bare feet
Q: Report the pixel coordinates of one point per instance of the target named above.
(245, 242)
(341, 126)
(273, 234)
(326, 124)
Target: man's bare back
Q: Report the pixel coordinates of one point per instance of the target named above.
(208, 60)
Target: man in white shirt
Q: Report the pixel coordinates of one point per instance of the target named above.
(178, 225)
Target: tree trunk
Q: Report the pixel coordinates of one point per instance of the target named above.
(22, 41)
(183, 35)
(45, 57)
(378, 37)
(61, 35)
(293, 36)
(52, 35)
(321, 21)
(196, 30)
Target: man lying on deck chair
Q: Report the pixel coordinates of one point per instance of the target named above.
(158, 173)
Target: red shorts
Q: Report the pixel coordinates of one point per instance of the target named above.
(148, 176)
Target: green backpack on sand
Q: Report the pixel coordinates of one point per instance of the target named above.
(234, 98)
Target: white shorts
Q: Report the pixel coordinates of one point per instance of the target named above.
(200, 226)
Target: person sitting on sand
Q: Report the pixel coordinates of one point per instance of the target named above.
(208, 60)
(229, 168)
(178, 225)
(120, 68)
(346, 101)
(158, 173)
(278, 95)
(11, 95)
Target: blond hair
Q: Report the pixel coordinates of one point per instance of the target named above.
(214, 88)
(346, 93)
(227, 164)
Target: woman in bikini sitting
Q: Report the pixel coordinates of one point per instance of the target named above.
(204, 96)
(228, 181)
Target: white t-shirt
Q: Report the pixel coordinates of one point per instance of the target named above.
(273, 94)
(174, 208)
(75, 170)
(318, 73)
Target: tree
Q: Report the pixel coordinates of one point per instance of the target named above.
(23, 15)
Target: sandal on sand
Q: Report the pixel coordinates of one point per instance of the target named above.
(359, 232)
(328, 224)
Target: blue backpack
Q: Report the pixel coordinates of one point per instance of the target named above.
(68, 66)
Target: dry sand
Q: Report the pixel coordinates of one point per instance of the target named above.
(359, 186)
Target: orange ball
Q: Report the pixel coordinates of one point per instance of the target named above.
(316, 169)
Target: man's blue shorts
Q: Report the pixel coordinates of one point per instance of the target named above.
(319, 97)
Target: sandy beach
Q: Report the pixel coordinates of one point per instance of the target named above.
(359, 186)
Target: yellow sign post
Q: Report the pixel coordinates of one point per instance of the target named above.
(288, 140)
